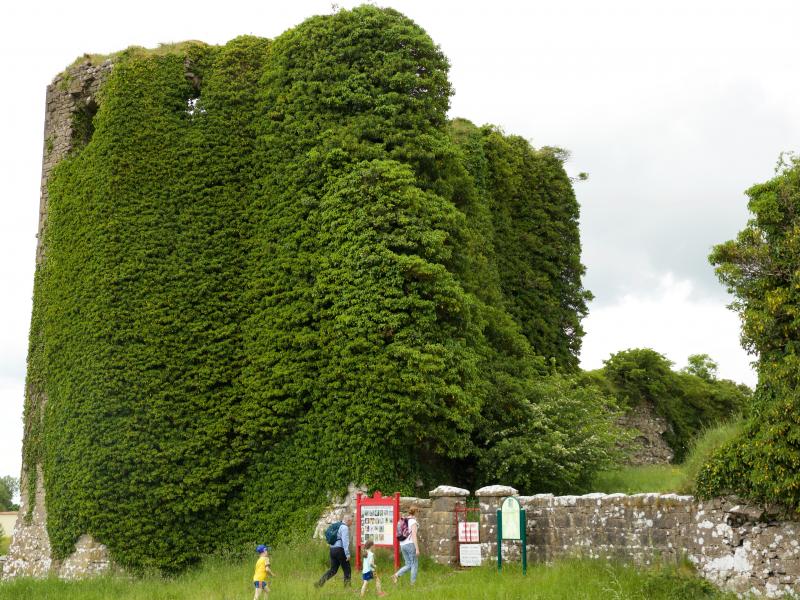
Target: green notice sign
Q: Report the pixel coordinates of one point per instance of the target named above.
(511, 525)
(510, 511)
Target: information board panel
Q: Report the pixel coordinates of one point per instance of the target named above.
(510, 514)
(469, 555)
(377, 524)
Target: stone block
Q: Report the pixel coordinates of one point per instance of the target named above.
(496, 491)
(441, 518)
(448, 490)
(659, 537)
(444, 504)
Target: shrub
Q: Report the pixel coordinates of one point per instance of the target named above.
(760, 269)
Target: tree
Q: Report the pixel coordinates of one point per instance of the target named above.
(701, 365)
(760, 268)
(552, 437)
(639, 374)
(9, 486)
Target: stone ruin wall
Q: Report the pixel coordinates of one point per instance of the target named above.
(730, 545)
(72, 91)
(649, 446)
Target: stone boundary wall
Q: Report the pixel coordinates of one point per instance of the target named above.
(730, 545)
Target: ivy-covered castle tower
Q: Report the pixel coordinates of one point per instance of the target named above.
(271, 268)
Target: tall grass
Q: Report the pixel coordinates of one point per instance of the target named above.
(297, 568)
(647, 478)
(669, 478)
(705, 444)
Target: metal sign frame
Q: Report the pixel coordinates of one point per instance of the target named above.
(466, 536)
(378, 500)
(523, 537)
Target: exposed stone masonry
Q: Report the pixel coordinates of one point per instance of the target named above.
(648, 446)
(73, 91)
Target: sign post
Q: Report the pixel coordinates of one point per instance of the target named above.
(376, 520)
(468, 526)
(511, 525)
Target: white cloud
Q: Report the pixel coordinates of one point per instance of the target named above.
(12, 396)
(674, 109)
(671, 321)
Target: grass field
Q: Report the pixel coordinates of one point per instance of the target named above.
(649, 478)
(5, 542)
(298, 567)
(668, 478)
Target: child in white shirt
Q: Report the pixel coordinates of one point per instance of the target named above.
(368, 570)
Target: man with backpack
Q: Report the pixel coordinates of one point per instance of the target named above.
(338, 537)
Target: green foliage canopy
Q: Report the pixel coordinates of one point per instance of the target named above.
(701, 365)
(761, 268)
(9, 486)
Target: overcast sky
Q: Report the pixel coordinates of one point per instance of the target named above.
(674, 108)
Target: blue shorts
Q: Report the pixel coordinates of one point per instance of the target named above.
(260, 584)
(368, 575)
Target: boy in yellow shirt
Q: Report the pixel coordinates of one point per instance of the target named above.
(262, 571)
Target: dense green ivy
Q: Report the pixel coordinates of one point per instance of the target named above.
(275, 268)
(760, 268)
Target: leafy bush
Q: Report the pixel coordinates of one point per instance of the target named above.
(554, 440)
(705, 445)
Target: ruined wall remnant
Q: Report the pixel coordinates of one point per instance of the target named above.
(727, 543)
(649, 446)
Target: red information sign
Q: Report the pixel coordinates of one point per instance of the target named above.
(468, 533)
(376, 520)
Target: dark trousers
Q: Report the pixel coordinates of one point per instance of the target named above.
(337, 558)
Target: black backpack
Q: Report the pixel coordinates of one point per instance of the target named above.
(332, 533)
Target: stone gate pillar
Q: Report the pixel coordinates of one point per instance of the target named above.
(443, 542)
(490, 498)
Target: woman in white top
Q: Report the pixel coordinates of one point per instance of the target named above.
(409, 547)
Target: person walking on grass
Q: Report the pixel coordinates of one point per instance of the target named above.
(368, 570)
(340, 551)
(409, 545)
(260, 577)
